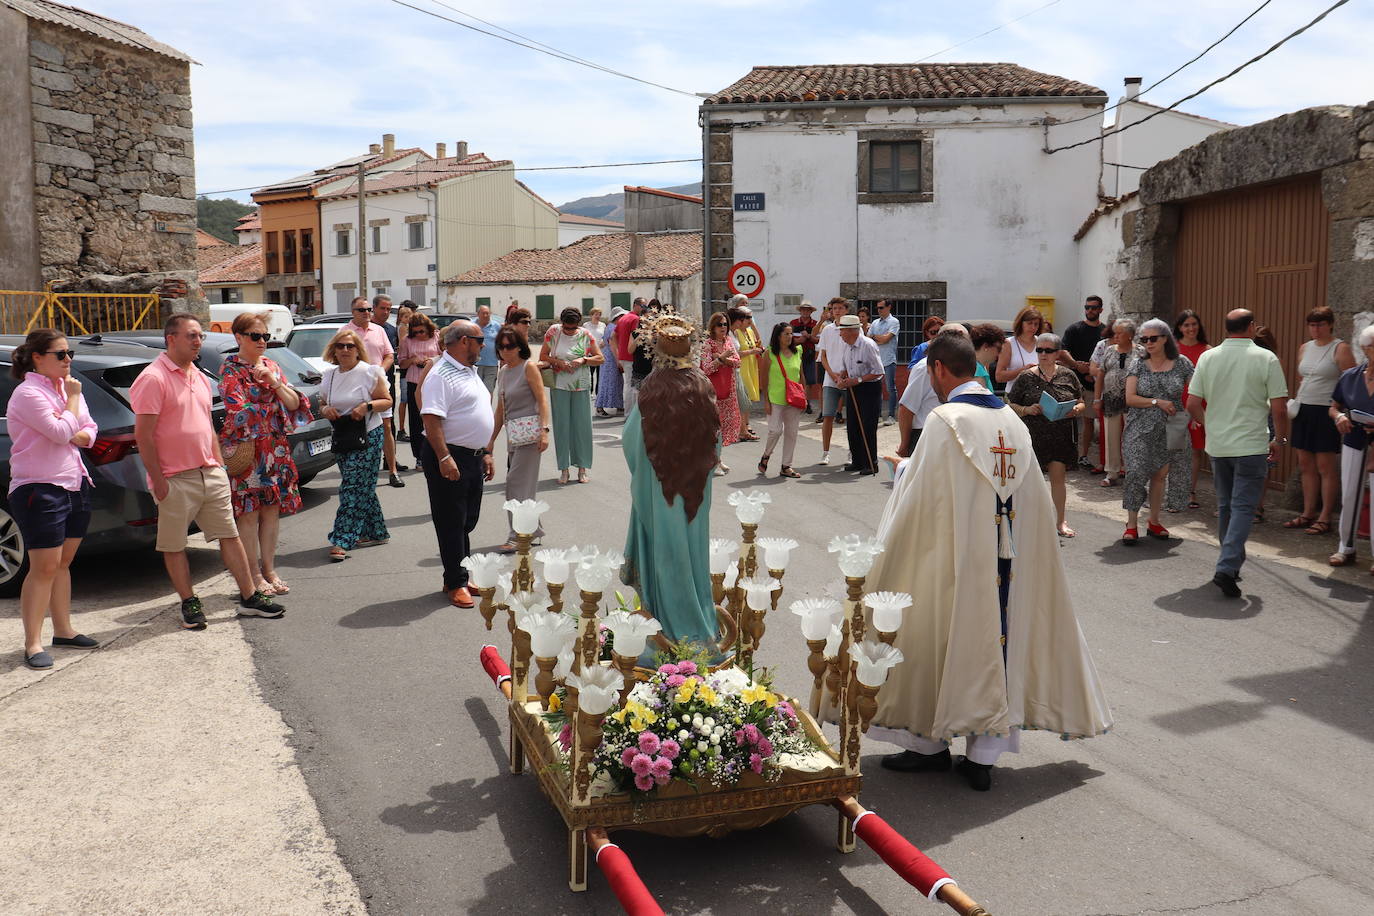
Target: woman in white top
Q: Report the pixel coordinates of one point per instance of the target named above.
(570, 351)
(1019, 353)
(597, 328)
(1320, 363)
(356, 389)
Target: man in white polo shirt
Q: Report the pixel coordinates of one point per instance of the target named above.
(458, 424)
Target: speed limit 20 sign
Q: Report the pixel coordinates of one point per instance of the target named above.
(746, 279)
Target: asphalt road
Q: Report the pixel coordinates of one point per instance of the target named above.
(1237, 779)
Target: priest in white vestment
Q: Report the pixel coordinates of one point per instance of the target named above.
(991, 644)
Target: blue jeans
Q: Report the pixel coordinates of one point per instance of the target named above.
(890, 374)
(1239, 483)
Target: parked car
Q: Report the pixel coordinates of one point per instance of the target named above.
(279, 318)
(309, 340)
(123, 514)
(310, 444)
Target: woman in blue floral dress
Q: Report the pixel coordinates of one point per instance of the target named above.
(356, 388)
(260, 410)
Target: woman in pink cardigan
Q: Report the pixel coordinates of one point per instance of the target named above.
(50, 488)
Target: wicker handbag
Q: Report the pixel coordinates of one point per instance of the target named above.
(238, 459)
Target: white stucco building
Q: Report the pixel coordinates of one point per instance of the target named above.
(574, 226)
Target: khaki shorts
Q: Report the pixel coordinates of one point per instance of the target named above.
(201, 496)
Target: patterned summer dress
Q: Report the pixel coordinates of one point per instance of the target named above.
(727, 407)
(254, 417)
(1144, 447)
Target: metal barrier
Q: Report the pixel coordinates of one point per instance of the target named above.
(77, 313)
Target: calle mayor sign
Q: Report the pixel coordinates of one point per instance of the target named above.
(749, 202)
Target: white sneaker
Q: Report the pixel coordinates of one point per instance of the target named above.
(825, 457)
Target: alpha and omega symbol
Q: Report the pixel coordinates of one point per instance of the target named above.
(1000, 467)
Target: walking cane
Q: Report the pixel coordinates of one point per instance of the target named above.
(857, 417)
(1358, 508)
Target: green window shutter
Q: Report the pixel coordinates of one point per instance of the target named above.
(588, 305)
(484, 300)
(543, 307)
(620, 299)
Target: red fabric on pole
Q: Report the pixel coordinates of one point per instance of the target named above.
(620, 873)
(494, 664)
(906, 860)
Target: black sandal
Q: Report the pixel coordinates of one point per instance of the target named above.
(788, 472)
(763, 464)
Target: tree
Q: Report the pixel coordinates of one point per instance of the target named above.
(218, 217)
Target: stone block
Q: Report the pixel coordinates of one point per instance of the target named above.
(81, 123)
(722, 147)
(1155, 222)
(184, 119)
(62, 155)
(84, 187)
(188, 189)
(42, 174)
(722, 173)
(1146, 297)
(174, 100)
(60, 246)
(46, 52)
(39, 96)
(152, 203)
(720, 196)
(173, 132)
(1348, 190)
(722, 222)
(1364, 240)
(41, 134)
(174, 165)
(1350, 285)
(51, 79)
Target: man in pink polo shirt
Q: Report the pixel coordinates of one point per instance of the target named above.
(368, 321)
(171, 401)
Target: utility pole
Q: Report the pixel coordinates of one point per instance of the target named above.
(362, 234)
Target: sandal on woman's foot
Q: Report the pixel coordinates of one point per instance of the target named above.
(1131, 537)
(1066, 532)
(788, 472)
(583, 476)
(763, 464)
(1108, 481)
(1319, 527)
(1341, 559)
(1302, 521)
(1259, 514)
(562, 478)
(1192, 501)
(337, 554)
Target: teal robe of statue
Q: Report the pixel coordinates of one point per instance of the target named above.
(667, 558)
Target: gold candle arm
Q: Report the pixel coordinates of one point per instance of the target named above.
(815, 662)
(486, 607)
(556, 598)
(626, 665)
(543, 681)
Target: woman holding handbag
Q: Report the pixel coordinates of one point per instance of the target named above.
(355, 394)
(785, 398)
(570, 352)
(260, 410)
(719, 360)
(1156, 442)
(522, 407)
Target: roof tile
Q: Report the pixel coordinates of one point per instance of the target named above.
(851, 82)
(245, 267)
(667, 256)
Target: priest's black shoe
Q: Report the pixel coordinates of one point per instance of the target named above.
(912, 762)
(1227, 584)
(978, 775)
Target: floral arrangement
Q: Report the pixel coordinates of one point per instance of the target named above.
(687, 723)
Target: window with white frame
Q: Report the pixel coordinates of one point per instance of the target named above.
(343, 242)
(417, 235)
(374, 238)
(786, 303)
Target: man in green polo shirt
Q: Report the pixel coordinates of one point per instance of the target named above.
(1236, 387)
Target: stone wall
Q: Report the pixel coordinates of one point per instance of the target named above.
(113, 159)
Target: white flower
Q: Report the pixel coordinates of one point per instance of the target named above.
(715, 739)
(710, 722)
(730, 681)
(703, 745)
(683, 736)
(642, 693)
(696, 719)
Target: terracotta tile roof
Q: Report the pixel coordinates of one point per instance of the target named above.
(246, 266)
(580, 220)
(208, 256)
(206, 240)
(93, 24)
(838, 82)
(249, 221)
(667, 256)
(425, 173)
(695, 200)
(334, 172)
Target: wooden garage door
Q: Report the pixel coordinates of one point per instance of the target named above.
(1263, 249)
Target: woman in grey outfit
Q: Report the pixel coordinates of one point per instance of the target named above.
(1154, 398)
(521, 402)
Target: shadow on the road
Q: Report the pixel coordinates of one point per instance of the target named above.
(398, 613)
(1199, 719)
(1118, 554)
(309, 558)
(405, 521)
(1208, 602)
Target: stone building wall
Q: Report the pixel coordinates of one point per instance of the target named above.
(113, 158)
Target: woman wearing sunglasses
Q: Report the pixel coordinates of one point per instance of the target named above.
(356, 388)
(1055, 447)
(1155, 444)
(50, 488)
(260, 411)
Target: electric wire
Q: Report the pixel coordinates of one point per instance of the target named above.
(989, 31)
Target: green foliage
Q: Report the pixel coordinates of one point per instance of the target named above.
(218, 217)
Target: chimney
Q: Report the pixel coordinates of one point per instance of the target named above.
(388, 144)
(374, 148)
(1132, 87)
(441, 151)
(636, 250)
(461, 149)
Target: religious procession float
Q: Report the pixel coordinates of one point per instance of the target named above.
(650, 714)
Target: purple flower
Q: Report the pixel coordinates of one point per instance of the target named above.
(644, 783)
(765, 747)
(669, 749)
(640, 764)
(668, 669)
(648, 742)
(565, 736)
(675, 680)
(756, 763)
(661, 769)
(686, 667)
(751, 733)
(785, 708)
(626, 756)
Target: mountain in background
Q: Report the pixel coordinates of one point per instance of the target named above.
(218, 217)
(612, 206)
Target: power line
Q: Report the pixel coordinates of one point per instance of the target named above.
(1176, 71)
(561, 55)
(531, 168)
(1258, 57)
(989, 31)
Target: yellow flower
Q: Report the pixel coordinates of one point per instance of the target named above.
(688, 688)
(555, 703)
(757, 693)
(707, 695)
(640, 715)
(619, 714)
(637, 725)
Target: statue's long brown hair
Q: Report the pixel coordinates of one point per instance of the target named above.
(677, 409)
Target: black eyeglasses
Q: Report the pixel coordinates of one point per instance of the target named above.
(1046, 350)
(475, 337)
(1092, 308)
(362, 309)
(345, 346)
(258, 336)
(61, 354)
(1150, 338)
(508, 346)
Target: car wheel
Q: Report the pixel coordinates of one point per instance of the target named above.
(14, 557)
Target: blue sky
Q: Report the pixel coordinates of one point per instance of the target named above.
(289, 85)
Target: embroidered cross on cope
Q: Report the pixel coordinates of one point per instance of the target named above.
(1000, 467)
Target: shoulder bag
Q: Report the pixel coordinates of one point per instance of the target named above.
(795, 395)
(1176, 431)
(348, 435)
(522, 431)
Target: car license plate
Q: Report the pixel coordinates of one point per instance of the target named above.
(318, 446)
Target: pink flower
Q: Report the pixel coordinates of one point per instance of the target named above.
(739, 737)
(756, 763)
(644, 783)
(785, 708)
(675, 680)
(661, 769)
(565, 736)
(668, 669)
(640, 764)
(765, 747)
(686, 667)
(751, 733)
(627, 755)
(669, 749)
(648, 742)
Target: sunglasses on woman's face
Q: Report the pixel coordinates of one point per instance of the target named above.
(258, 336)
(1150, 338)
(507, 346)
(345, 346)
(1046, 350)
(62, 354)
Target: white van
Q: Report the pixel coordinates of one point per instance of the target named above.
(279, 322)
